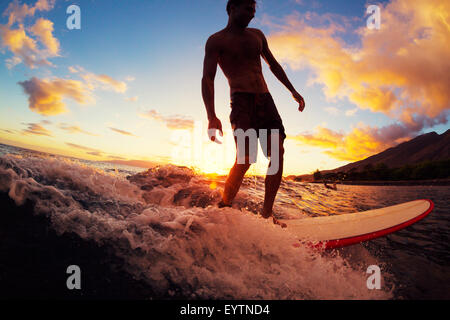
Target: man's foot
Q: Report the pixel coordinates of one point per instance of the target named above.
(281, 224)
(275, 221)
(222, 204)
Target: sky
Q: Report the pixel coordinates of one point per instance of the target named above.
(126, 86)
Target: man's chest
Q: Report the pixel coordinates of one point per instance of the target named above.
(249, 46)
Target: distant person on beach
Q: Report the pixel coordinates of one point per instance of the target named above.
(238, 50)
(330, 187)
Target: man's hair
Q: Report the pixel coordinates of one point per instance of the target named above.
(236, 3)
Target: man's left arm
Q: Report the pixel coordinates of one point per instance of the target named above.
(278, 71)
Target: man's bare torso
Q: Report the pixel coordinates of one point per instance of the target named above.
(240, 59)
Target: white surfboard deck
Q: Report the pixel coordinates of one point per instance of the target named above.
(342, 230)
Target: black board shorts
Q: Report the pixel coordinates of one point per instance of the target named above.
(255, 111)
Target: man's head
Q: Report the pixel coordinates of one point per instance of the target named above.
(241, 11)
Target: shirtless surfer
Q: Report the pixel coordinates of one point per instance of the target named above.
(238, 50)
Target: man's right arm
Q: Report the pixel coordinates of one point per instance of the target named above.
(209, 73)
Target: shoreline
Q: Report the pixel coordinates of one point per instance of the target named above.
(431, 182)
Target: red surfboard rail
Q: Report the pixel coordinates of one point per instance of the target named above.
(333, 244)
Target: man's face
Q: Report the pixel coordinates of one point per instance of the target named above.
(244, 13)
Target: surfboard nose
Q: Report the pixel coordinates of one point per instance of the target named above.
(342, 230)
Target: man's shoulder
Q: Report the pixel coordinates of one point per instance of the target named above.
(217, 36)
(215, 40)
(220, 37)
(256, 31)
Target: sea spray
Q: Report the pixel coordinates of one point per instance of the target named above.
(183, 248)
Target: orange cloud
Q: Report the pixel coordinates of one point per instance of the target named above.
(73, 69)
(94, 81)
(87, 149)
(132, 99)
(106, 82)
(75, 129)
(7, 131)
(323, 137)
(126, 133)
(400, 70)
(362, 142)
(45, 96)
(37, 129)
(95, 153)
(351, 112)
(92, 151)
(171, 122)
(24, 48)
(43, 29)
(17, 12)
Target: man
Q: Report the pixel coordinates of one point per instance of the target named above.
(238, 50)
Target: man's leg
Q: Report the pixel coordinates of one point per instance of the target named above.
(272, 183)
(234, 182)
(246, 149)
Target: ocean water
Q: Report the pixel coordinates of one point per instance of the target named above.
(165, 225)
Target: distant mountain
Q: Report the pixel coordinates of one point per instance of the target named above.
(427, 147)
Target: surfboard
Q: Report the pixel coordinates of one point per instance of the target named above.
(329, 232)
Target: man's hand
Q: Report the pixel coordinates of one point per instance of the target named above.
(300, 100)
(214, 124)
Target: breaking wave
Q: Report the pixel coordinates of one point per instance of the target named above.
(166, 227)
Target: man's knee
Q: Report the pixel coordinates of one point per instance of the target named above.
(278, 152)
(281, 150)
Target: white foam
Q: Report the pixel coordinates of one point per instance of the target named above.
(174, 247)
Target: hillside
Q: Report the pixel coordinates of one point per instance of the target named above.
(427, 147)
